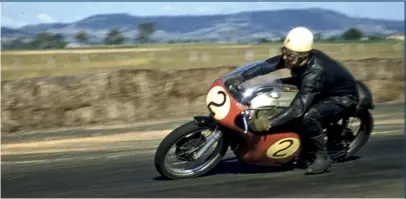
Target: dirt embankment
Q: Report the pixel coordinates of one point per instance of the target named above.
(137, 95)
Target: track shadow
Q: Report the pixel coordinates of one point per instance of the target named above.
(352, 158)
(233, 166)
(160, 178)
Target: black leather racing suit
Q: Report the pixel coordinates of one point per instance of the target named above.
(326, 91)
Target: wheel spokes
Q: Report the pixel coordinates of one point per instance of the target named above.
(189, 147)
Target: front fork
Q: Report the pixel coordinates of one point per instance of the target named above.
(217, 134)
(214, 137)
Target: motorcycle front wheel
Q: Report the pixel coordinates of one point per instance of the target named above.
(187, 140)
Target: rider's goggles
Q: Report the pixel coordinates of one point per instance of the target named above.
(291, 55)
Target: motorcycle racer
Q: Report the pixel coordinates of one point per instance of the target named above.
(327, 90)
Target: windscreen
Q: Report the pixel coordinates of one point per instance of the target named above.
(256, 74)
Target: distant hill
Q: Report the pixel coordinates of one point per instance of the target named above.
(10, 31)
(241, 26)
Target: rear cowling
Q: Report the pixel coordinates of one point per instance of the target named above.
(365, 96)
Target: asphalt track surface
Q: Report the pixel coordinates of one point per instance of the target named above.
(128, 171)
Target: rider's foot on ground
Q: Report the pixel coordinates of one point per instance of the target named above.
(321, 162)
(320, 165)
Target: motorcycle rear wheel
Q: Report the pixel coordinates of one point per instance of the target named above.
(180, 135)
(360, 139)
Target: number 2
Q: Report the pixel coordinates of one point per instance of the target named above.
(217, 104)
(276, 154)
(283, 148)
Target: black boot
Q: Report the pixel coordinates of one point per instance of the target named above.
(321, 162)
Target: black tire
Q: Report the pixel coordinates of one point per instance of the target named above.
(366, 126)
(178, 134)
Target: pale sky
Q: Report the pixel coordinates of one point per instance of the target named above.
(16, 14)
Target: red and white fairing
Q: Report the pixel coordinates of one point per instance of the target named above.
(257, 149)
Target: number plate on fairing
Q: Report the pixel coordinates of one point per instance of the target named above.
(283, 148)
(218, 102)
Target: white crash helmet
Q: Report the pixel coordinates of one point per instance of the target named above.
(299, 39)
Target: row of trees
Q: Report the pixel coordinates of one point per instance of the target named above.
(145, 30)
(40, 41)
(349, 35)
(56, 41)
(114, 37)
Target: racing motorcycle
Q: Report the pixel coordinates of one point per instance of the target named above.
(231, 109)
